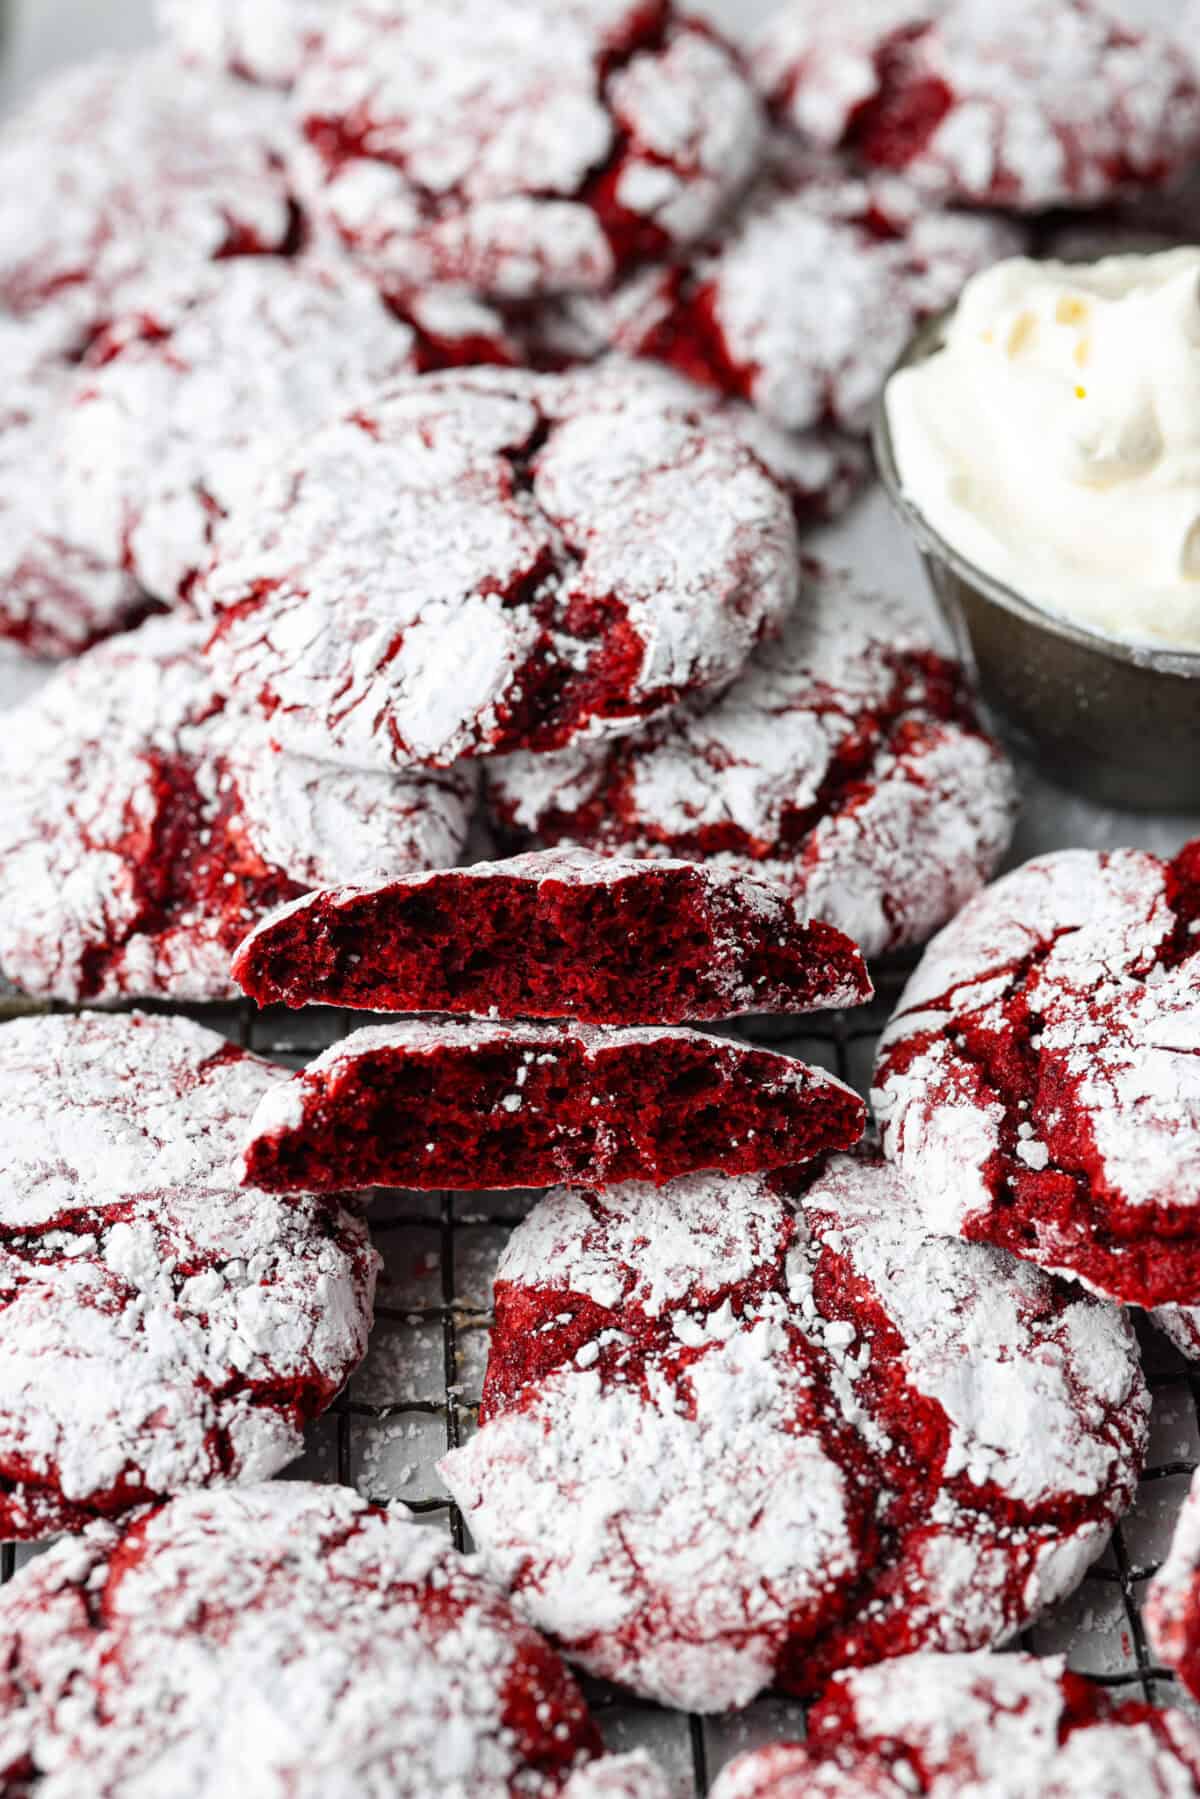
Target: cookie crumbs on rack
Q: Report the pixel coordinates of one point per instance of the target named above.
(731, 1437)
(279, 1638)
(475, 1104)
(847, 765)
(561, 933)
(161, 1328)
(1039, 1082)
(146, 824)
(491, 560)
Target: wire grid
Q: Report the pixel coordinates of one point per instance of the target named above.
(417, 1394)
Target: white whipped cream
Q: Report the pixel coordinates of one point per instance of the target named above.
(1055, 441)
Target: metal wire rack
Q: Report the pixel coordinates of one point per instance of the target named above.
(417, 1393)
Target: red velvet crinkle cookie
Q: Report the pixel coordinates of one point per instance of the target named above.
(125, 163)
(259, 40)
(477, 564)
(560, 933)
(1028, 105)
(987, 1726)
(56, 597)
(1040, 1080)
(160, 1328)
(731, 1438)
(525, 147)
(188, 399)
(468, 1104)
(847, 766)
(283, 1638)
(632, 1776)
(146, 825)
(1172, 1612)
(807, 300)
(1182, 1325)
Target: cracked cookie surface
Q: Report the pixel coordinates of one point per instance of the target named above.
(161, 1327)
(738, 1432)
(1039, 1082)
(847, 765)
(489, 561)
(146, 825)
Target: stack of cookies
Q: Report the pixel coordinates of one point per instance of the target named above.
(411, 424)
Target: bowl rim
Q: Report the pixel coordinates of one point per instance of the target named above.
(923, 343)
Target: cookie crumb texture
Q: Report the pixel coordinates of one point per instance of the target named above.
(1173, 1602)
(527, 147)
(282, 1639)
(160, 1328)
(731, 1438)
(806, 300)
(847, 766)
(1040, 1080)
(1027, 105)
(469, 1104)
(989, 1725)
(127, 159)
(489, 562)
(188, 399)
(146, 825)
(556, 934)
(264, 41)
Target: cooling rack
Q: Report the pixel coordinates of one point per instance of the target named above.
(417, 1394)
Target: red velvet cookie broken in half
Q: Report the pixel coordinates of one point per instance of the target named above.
(1039, 1083)
(469, 1104)
(563, 933)
(733, 1435)
(987, 1726)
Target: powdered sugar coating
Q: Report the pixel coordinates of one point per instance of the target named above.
(527, 147)
(632, 1776)
(468, 1103)
(56, 597)
(480, 564)
(1182, 1325)
(996, 1727)
(846, 765)
(283, 1640)
(123, 162)
(260, 40)
(554, 934)
(1034, 104)
(145, 825)
(1040, 1080)
(192, 397)
(1172, 1610)
(729, 1439)
(161, 1328)
(807, 300)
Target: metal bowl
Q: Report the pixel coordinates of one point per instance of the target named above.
(1117, 722)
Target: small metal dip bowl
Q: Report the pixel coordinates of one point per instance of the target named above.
(1117, 722)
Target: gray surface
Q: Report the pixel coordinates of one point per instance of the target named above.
(419, 1386)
